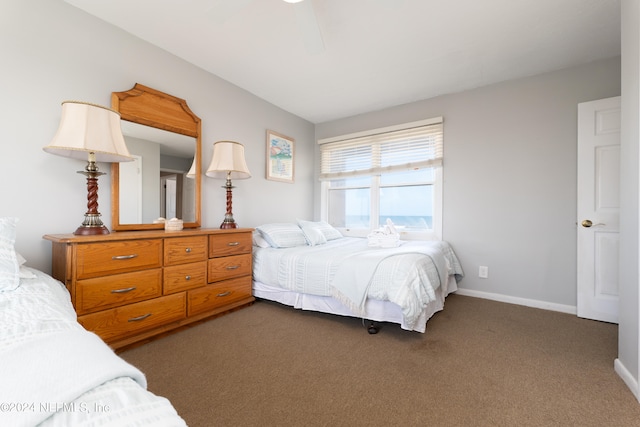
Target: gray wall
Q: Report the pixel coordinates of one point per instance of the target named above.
(53, 52)
(509, 178)
(629, 330)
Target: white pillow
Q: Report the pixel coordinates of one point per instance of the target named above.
(25, 273)
(329, 232)
(9, 267)
(313, 235)
(282, 235)
(259, 241)
(20, 258)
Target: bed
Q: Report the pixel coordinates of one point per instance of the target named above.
(311, 266)
(54, 372)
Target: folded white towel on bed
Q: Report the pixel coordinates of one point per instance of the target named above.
(42, 376)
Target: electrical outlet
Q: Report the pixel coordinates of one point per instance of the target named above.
(483, 272)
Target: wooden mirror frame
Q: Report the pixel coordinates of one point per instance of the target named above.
(150, 107)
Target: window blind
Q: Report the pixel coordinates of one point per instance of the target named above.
(411, 148)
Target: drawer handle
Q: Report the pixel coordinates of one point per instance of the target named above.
(187, 277)
(188, 250)
(224, 294)
(123, 291)
(121, 257)
(139, 318)
(233, 243)
(232, 267)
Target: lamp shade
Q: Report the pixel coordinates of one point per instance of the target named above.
(191, 173)
(228, 160)
(89, 128)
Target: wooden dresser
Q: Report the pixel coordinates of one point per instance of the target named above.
(129, 286)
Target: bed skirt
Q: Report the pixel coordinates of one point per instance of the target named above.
(379, 311)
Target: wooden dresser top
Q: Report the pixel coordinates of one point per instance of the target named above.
(134, 235)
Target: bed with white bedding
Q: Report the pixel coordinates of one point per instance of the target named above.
(54, 372)
(344, 275)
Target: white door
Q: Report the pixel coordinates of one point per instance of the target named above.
(598, 208)
(131, 191)
(170, 196)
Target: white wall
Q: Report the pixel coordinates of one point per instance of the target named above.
(629, 330)
(53, 52)
(510, 178)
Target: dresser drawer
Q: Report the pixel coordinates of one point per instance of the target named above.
(228, 267)
(111, 291)
(99, 259)
(182, 250)
(218, 295)
(229, 244)
(133, 318)
(185, 276)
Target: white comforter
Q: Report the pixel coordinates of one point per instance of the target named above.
(408, 280)
(54, 373)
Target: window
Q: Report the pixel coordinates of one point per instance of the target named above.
(392, 173)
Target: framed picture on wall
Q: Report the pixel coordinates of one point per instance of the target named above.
(280, 157)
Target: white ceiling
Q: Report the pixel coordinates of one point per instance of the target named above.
(377, 53)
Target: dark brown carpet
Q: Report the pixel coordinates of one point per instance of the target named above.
(480, 363)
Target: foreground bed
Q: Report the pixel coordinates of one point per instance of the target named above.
(343, 275)
(54, 372)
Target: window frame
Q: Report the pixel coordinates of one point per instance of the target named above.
(433, 234)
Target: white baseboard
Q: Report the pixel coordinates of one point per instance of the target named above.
(570, 309)
(626, 376)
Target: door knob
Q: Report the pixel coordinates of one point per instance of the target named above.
(587, 223)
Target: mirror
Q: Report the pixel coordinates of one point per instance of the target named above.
(163, 136)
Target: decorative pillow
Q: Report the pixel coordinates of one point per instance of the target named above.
(313, 235)
(282, 235)
(259, 241)
(329, 232)
(25, 273)
(9, 267)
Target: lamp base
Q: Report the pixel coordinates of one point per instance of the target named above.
(91, 231)
(92, 225)
(228, 216)
(228, 224)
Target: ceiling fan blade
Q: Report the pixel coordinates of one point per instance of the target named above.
(221, 10)
(308, 26)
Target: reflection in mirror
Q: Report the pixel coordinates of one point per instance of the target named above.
(157, 184)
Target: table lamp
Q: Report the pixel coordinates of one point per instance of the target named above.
(228, 162)
(92, 132)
